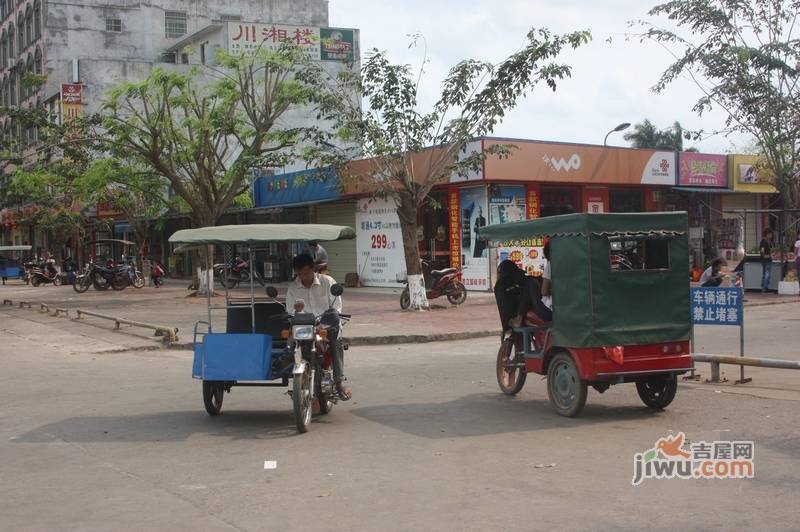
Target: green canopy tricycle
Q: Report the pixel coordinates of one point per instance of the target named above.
(621, 308)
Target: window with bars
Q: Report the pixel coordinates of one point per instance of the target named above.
(114, 25)
(175, 24)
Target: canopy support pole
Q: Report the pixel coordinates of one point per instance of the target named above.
(252, 290)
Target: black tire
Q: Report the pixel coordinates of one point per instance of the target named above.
(213, 394)
(511, 380)
(120, 282)
(230, 283)
(302, 401)
(138, 281)
(405, 299)
(82, 284)
(56, 281)
(457, 294)
(35, 281)
(99, 282)
(658, 393)
(566, 390)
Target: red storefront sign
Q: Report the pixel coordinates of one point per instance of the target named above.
(455, 229)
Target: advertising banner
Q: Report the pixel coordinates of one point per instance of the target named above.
(533, 202)
(749, 175)
(71, 100)
(379, 243)
(455, 228)
(552, 162)
(703, 170)
(527, 254)
(474, 251)
(337, 44)
(507, 204)
(321, 44)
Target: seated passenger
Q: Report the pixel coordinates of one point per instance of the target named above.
(516, 295)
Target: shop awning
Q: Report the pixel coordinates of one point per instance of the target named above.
(708, 190)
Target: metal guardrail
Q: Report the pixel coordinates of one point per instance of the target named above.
(170, 334)
(716, 360)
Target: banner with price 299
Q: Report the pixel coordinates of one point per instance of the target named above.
(379, 243)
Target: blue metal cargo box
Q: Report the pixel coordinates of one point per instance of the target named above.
(233, 357)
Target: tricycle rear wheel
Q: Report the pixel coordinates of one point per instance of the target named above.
(566, 390)
(213, 393)
(511, 380)
(658, 393)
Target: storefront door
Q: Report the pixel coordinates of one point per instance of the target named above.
(559, 200)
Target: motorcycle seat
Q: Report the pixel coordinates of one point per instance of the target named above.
(446, 271)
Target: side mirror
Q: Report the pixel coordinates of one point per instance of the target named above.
(272, 292)
(337, 290)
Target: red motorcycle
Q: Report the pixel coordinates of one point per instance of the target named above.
(445, 282)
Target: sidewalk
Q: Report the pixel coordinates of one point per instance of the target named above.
(377, 317)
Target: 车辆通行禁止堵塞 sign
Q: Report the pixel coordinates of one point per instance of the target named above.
(717, 306)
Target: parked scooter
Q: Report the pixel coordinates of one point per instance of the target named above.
(238, 271)
(445, 282)
(45, 273)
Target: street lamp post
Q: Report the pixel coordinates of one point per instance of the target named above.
(622, 127)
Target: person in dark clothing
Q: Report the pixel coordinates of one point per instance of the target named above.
(765, 252)
(517, 294)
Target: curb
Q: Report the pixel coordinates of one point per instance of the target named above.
(363, 341)
(770, 303)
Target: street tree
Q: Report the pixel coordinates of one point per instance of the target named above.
(744, 55)
(204, 131)
(647, 136)
(408, 150)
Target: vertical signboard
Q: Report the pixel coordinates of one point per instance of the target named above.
(474, 250)
(379, 243)
(71, 100)
(533, 202)
(455, 241)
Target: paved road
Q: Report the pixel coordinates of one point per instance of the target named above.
(94, 439)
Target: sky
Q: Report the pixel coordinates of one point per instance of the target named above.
(612, 76)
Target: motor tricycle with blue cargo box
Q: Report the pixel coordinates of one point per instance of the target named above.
(263, 345)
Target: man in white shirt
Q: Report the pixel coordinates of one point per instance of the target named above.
(314, 289)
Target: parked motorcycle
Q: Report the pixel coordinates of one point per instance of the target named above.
(101, 278)
(44, 273)
(445, 282)
(313, 372)
(238, 271)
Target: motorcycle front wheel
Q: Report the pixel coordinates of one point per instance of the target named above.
(302, 400)
(82, 284)
(405, 299)
(120, 282)
(138, 281)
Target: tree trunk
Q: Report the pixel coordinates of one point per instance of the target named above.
(407, 212)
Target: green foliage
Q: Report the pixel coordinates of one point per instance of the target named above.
(204, 131)
(745, 57)
(647, 135)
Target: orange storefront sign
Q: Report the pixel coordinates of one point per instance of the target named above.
(558, 163)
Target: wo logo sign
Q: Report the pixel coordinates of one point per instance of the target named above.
(559, 164)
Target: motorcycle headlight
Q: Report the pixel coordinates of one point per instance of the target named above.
(303, 332)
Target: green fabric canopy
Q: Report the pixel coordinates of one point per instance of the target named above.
(595, 305)
(261, 233)
(585, 224)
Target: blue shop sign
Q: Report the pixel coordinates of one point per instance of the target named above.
(296, 188)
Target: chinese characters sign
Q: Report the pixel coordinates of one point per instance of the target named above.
(455, 243)
(533, 202)
(326, 44)
(379, 243)
(703, 170)
(717, 306)
(527, 254)
(71, 100)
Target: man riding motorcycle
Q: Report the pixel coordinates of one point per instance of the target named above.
(310, 291)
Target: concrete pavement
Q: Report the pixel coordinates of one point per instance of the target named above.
(99, 441)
